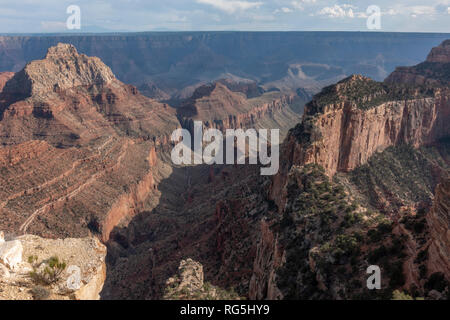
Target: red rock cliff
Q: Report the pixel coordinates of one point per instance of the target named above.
(439, 222)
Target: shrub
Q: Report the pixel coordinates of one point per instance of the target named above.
(40, 293)
(47, 272)
(398, 295)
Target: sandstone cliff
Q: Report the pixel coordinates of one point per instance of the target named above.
(347, 126)
(439, 223)
(63, 68)
(343, 135)
(220, 108)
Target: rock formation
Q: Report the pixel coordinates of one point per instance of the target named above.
(217, 106)
(344, 133)
(63, 68)
(71, 128)
(188, 284)
(434, 71)
(86, 155)
(439, 223)
(174, 61)
(347, 126)
(81, 276)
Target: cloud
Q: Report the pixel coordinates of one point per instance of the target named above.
(338, 11)
(422, 10)
(299, 4)
(231, 6)
(284, 10)
(448, 10)
(52, 26)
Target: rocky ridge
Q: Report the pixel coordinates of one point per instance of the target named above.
(217, 106)
(434, 71)
(342, 129)
(76, 134)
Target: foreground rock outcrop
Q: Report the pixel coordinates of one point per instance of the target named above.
(189, 284)
(26, 274)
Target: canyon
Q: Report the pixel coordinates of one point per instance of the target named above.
(170, 65)
(363, 175)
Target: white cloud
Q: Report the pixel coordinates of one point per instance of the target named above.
(231, 6)
(284, 10)
(338, 11)
(422, 10)
(299, 4)
(53, 26)
(391, 12)
(448, 10)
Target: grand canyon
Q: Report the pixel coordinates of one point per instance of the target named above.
(364, 179)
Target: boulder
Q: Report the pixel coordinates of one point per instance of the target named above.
(11, 253)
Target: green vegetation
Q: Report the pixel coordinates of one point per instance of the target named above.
(40, 293)
(365, 93)
(401, 174)
(306, 132)
(319, 212)
(46, 272)
(207, 292)
(435, 70)
(399, 295)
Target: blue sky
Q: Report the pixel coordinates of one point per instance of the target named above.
(24, 16)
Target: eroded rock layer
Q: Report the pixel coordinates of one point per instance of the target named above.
(80, 147)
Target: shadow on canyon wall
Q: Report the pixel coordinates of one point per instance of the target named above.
(186, 223)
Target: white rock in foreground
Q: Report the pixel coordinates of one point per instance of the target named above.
(11, 253)
(82, 279)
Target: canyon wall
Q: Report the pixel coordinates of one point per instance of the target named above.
(222, 109)
(439, 222)
(343, 127)
(350, 136)
(85, 144)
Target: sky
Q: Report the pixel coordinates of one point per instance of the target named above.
(31, 16)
